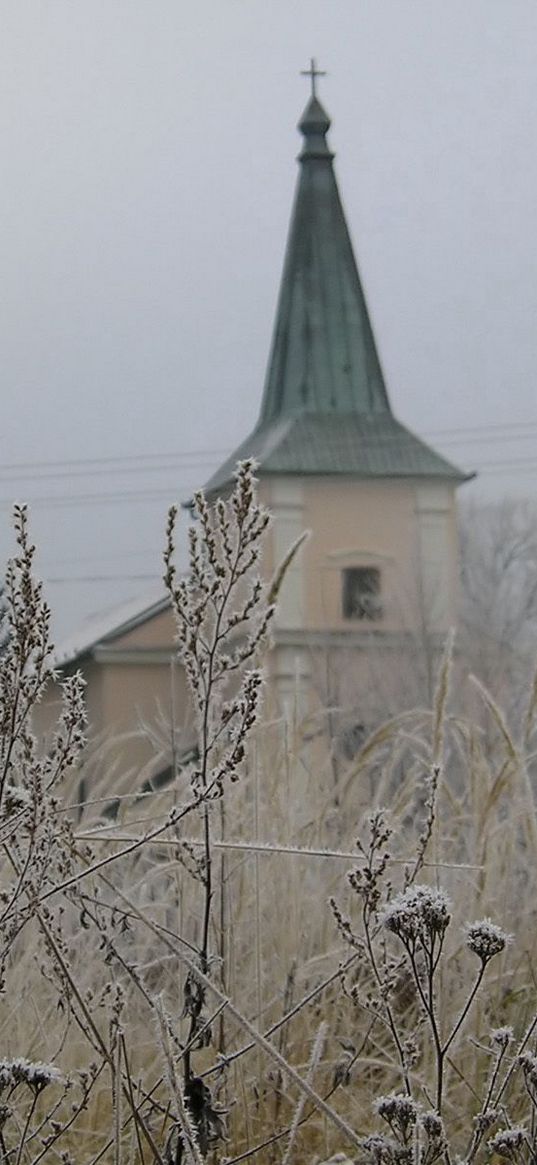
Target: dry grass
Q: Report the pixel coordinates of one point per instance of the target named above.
(177, 958)
(282, 850)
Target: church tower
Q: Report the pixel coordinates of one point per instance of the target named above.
(380, 566)
(368, 599)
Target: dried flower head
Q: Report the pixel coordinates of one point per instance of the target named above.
(367, 878)
(21, 1071)
(435, 1142)
(433, 1125)
(485, 1120)
(501, 1036)
(485, 939)
(381, 1150)
(528, 1063)
(399, 1110)
(508, 1142)
(411, 1052)
(419, 912)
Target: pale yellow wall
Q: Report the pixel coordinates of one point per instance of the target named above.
(406, 529)
(141, 701)
(132, 692)
(157, 632)
(133, 701)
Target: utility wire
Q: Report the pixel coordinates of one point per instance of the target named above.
(468, 434)
(122, 497)
(521, 466)
(108, 471)
(7, 476)
(517, 465)
(179, 454)
(102, 578)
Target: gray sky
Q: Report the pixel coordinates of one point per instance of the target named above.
(148, 173)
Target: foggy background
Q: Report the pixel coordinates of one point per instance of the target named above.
(148, 154)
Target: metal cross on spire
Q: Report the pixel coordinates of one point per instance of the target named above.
(312, 72)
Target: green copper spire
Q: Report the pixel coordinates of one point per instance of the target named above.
(325, 408)
(324, 358)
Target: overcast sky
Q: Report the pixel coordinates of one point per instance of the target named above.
(148, 172)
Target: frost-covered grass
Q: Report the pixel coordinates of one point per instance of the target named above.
(313, 970)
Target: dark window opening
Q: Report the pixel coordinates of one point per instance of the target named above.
(361, 593)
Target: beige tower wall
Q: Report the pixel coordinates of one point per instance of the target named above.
(406, 529)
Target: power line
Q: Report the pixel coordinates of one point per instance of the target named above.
(506, 439)
(498, 426)
(69, 500)
(179, 454)
(168, 465)
(101, 578)
(509, 463)
(146, 552)
(65, 501)
(507, 471)
(510, 431)
(123, 497)
(112, 470)
(148, 497)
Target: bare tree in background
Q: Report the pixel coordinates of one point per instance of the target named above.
(498, 614)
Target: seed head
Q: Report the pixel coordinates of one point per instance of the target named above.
(433, 1125)
(528, 1063)
(485, 939)
(501, 1036)
(381, 1150)
(21, 1071)
(485, 1120)
(508, 1142)
(420, 912)
(398, 1109)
